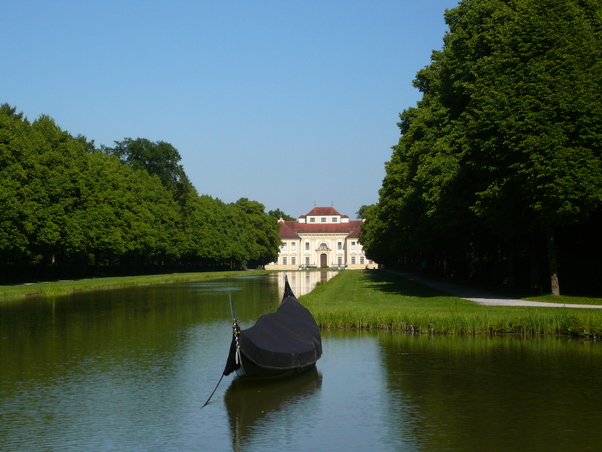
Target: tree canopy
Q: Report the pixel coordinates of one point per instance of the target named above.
(278, 214)
(505, 144)
(68, 209)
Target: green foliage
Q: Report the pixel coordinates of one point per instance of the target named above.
(262, 232)
(15, 158)
(156, 158)
(278, 214)
(506, 141)
(529, 86)
(361, 213)
(66, 205)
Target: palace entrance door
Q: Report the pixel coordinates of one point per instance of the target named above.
(323, 260)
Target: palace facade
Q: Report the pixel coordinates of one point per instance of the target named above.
(322, 238)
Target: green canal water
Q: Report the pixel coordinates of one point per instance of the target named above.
(130, 369)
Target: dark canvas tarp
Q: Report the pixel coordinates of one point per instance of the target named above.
(286, 339)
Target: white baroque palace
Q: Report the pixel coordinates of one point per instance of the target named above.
(322, 238)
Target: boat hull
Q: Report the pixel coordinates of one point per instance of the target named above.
(248, 369)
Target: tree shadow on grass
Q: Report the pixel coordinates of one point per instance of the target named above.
(396, 284)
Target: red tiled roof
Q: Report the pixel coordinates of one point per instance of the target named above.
(356, 232)
(323, 211)
(286, 232)
(292, 229)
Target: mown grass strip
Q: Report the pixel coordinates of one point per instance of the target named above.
(381, 300)
(564, 299)
(55, 288)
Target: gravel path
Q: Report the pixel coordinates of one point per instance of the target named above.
(485, 298)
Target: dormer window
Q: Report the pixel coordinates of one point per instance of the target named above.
(335, 219)
(323, 219)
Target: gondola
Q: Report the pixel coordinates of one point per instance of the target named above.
(281, 344)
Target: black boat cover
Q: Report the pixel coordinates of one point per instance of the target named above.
(286, 339)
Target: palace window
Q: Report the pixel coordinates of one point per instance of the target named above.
(307, 261)
(362, 260)
(334, 219)
(340, 245)
(323, 220)
(284, 261)
(312, 220)
(323, 246)
(340, 261)
(307, 245)
(293, 261)
(352, 260)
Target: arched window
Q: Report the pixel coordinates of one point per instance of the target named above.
(323, 246)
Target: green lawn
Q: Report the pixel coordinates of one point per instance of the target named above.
(66, 287)
(381, 300)
(565, 299)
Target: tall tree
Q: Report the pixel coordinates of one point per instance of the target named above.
(525, 79)
(508, 133)
(127, 212)
(158, 158)
(206, 237)
(54, 187)
(263, 240)
(16, 155)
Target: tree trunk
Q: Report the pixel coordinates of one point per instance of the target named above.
(553, 261)
(511, 264)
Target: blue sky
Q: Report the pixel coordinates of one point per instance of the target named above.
(288, 103)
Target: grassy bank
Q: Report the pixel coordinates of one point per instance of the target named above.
(380, 300)
(55, 288)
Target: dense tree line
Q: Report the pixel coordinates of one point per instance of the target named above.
(498, 172)
(70, 210)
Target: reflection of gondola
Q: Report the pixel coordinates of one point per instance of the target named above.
(248, 401)
(281, 344)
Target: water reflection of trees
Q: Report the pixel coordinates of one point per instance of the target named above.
(493, 393)
(45, 332)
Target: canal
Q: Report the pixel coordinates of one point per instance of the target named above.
(130, 369)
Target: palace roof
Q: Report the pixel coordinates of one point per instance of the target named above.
(292, 229)
(286, 232)
(325, 211)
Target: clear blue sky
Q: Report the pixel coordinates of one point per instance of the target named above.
(288, 103)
